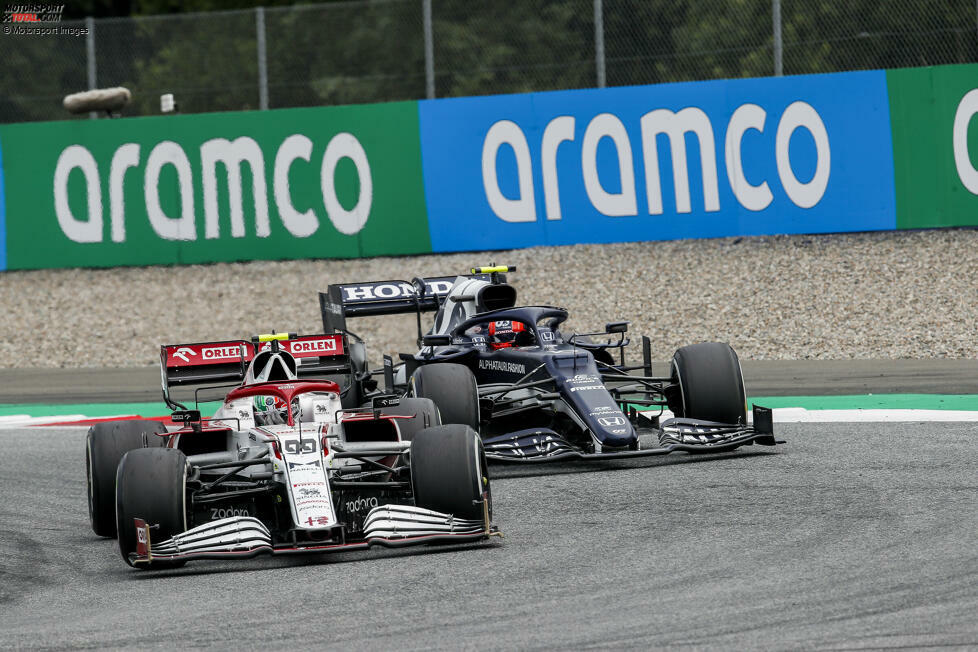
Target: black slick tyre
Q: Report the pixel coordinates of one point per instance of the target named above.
(106, 443)
(151, 485)
(710, 384)
(423, 410)
(453, 389)
(449, 472)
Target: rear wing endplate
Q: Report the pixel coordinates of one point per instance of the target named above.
(341, 301)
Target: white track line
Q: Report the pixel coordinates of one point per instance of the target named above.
(24, 420)
(801, 415)
(20, 420)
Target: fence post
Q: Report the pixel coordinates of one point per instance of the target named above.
(599, 41)
(776, 17)
(429, 51)
(90, 54)
(262, 60)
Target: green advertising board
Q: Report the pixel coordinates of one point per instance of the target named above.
(329, 182)
(935, 145)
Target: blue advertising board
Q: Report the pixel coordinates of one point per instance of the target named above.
(805, 154)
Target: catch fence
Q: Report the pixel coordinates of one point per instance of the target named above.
(388, 50)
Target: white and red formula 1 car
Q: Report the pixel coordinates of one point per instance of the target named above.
(282, 467)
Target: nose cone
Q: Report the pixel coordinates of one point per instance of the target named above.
(582, 388)
(614, 431)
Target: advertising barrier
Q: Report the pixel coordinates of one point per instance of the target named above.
(689, 160)
(857, 151)
(935, 145)
(293, 183)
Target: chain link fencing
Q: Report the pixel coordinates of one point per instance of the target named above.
(345, 53)
(389, 50)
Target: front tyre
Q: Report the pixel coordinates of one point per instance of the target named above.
(449, 471)
(107, 442)
(708, 384)
(151, 485)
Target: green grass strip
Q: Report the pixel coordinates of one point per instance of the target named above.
(872, 402)
(851, 402)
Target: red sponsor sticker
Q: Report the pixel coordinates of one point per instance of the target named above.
(220, 352)
(192, 355)
(313, 346)
(142, 537)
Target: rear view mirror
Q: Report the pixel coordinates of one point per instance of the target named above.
(436, 340)
(616, 327)
(185, 416)
(385, 401)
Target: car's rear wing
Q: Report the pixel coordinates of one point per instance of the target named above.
(341, 301)
(204, 362)
(201, 363)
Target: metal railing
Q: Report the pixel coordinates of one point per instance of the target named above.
(388, 50)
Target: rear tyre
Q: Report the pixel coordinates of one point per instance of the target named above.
(107, 443)
(423, 410)
(453, 389)
(449, 472)
(710, 384)
(151, 485)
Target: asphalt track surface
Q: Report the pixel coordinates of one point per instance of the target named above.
(847, 537)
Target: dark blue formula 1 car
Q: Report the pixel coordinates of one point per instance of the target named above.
(535, 395)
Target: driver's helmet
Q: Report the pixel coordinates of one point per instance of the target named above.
(502, 334)
(270, 411)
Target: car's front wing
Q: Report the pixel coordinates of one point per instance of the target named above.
(689, 435)
(244, 536)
